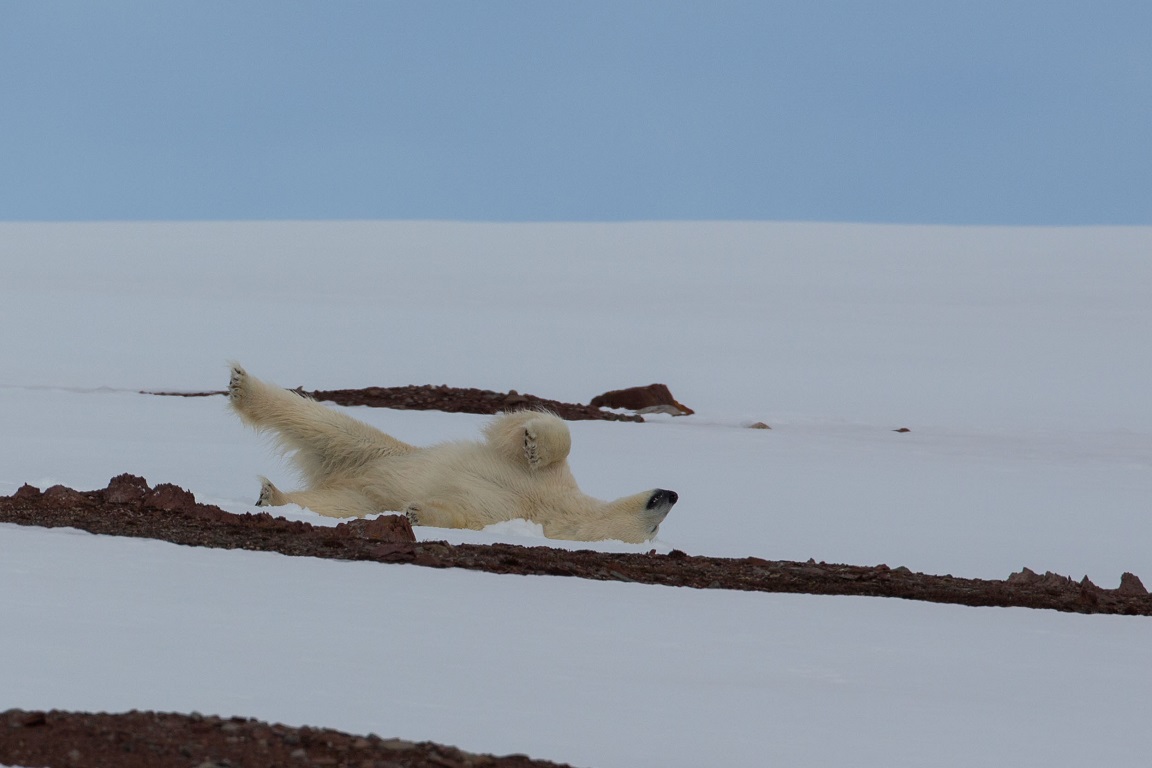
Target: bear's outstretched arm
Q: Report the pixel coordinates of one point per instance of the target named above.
(331, 502)
(327, 443)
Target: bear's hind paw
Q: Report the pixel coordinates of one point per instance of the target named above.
(270, 495)
(412, 512)
(237, 382)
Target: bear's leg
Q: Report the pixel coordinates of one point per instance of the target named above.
(546, 441)
(327, 443)
(330, 502)
(438, 514)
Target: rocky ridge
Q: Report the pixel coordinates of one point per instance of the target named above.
(129, 506)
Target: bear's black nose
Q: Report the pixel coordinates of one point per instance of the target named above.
(661, 497)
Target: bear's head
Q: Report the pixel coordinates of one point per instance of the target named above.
(634, 518)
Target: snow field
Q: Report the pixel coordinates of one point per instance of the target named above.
(592, 673)
(1017, 357)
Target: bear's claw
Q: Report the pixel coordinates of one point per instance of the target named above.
(531, 451)
(412, 512)
(236, 382)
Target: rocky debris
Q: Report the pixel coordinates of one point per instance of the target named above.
(654, 398)
(209, 393)
(461, 400)
(1130, 584)
(123, 489)
(448, 399)
(394, 528)
(135, 739)
(129, 507)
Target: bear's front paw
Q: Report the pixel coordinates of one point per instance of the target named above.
(412, 512)
(531, 449)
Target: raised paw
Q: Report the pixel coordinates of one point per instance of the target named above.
(531, 449)
(237, 382)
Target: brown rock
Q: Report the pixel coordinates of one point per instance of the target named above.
(1055, 580)
(654, 398)
(170, 498)
(759, 425)
(1024, 576)
(126, 488)
(1130, 584)
(27, 492)
(387, 528)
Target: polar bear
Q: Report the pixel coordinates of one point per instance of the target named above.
(520, 470)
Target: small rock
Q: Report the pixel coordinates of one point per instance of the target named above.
(170, 498)
(27, 492)
(126, 488)
(390, 528)
(62, 495)
(759, 425)
(902, 429)
(1130, 584)
(1024, 576)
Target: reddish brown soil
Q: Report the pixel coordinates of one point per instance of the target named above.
(448, 399)
(130, 507)
(155, 740)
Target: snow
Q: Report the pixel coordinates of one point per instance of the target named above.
(1018, 358)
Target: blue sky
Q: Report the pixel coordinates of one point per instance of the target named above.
(966, 112)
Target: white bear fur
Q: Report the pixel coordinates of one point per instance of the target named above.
(520, 470)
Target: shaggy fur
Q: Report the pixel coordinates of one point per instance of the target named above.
(520, 470)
